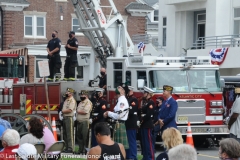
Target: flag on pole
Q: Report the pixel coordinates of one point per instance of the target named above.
(218, 55)
(141, 45)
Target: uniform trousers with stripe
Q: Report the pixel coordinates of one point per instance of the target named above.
(147, 145)
(68, 132)
(131, 153)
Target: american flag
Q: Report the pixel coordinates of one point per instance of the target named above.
(218, 55)
(141, 45)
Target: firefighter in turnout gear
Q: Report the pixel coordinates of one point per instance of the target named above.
(71, 59)
(97, 112)
(131, 125)
(119, 116)
(69, 107)
(146, 127)
(83, 113)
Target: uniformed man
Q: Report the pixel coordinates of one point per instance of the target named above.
(157, 109)
(97, 112)
(71, 59)
(69, 107)
(83, 113)
(131, 125)
(168, 110)
(146, 127)
(53, 49)
(120, 115)
(103, 79)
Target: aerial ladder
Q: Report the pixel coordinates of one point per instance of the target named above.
(108, 36)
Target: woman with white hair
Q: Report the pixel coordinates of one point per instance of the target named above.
(182, 152)
(10, 141)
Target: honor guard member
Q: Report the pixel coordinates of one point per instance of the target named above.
(83, 113)
(168, 110)
(119, 116)
(53, 49)
(69, 107)
(131, 125)
(71, 59)
(97, 112)
(147, 126)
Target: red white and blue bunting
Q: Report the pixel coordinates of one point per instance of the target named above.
(141, 46)
(218, 55)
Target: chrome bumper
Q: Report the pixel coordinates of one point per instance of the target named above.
(205, 130)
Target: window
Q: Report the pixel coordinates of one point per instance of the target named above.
(236, 25)
(155, 15)
(142, 75)
(117, 73)
(128, 78)
(75, 24)
(79, 72)
(164, 32)
(34, 26)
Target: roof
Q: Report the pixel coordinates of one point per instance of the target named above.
(15, 1)
(151, 2)
(138, 6)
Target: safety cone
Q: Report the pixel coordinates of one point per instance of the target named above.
(54, 128)
(189, 139)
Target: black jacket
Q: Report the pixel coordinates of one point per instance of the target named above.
(148, 110)
(131, 122)
(100, 107)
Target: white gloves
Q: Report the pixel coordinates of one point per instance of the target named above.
(74, 116)
(60, 116)
(138, 123)
(90, 121)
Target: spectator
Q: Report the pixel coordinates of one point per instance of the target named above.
(26, 151)
(182, 152)
(5, 123)
(2, 130)
(229, 149)
(171, 137)
(107, 147)
(10, 141)
(35, 129)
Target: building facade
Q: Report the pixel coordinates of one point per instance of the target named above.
(193, 27)
(29, 24)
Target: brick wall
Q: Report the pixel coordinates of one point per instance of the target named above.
(31, 64)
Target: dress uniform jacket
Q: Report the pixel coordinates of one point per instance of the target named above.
(168, 113)
(131, 122)
(147, 114)
(98, 110)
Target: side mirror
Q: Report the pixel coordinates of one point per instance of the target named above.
(222, 83)
(140, 83)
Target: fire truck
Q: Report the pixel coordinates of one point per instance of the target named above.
(197, 84)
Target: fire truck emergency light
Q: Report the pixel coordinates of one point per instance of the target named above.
(216, 103)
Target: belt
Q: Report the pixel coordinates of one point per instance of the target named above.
(135, 113)
(142, 115)
(95, 114)
(114, 121)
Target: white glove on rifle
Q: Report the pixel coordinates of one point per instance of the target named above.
(138, 123)
(90, 121)
(60, 116)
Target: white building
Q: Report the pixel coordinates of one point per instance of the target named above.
(182, 22)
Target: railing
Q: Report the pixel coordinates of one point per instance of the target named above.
(217, 42)
(151, 26)
(147, 39)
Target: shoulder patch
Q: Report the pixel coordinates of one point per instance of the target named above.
(76, 42)
(122, 105)
(104, 106)
(151, 107)
(60, 43)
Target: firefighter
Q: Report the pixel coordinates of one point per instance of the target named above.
(146, 127)
(131, 125)
(53, 49)
(97, 112)
(168, 110)
(69, 107)
(119, 116)
(83, 113)
(71, 59)
(103, 79)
